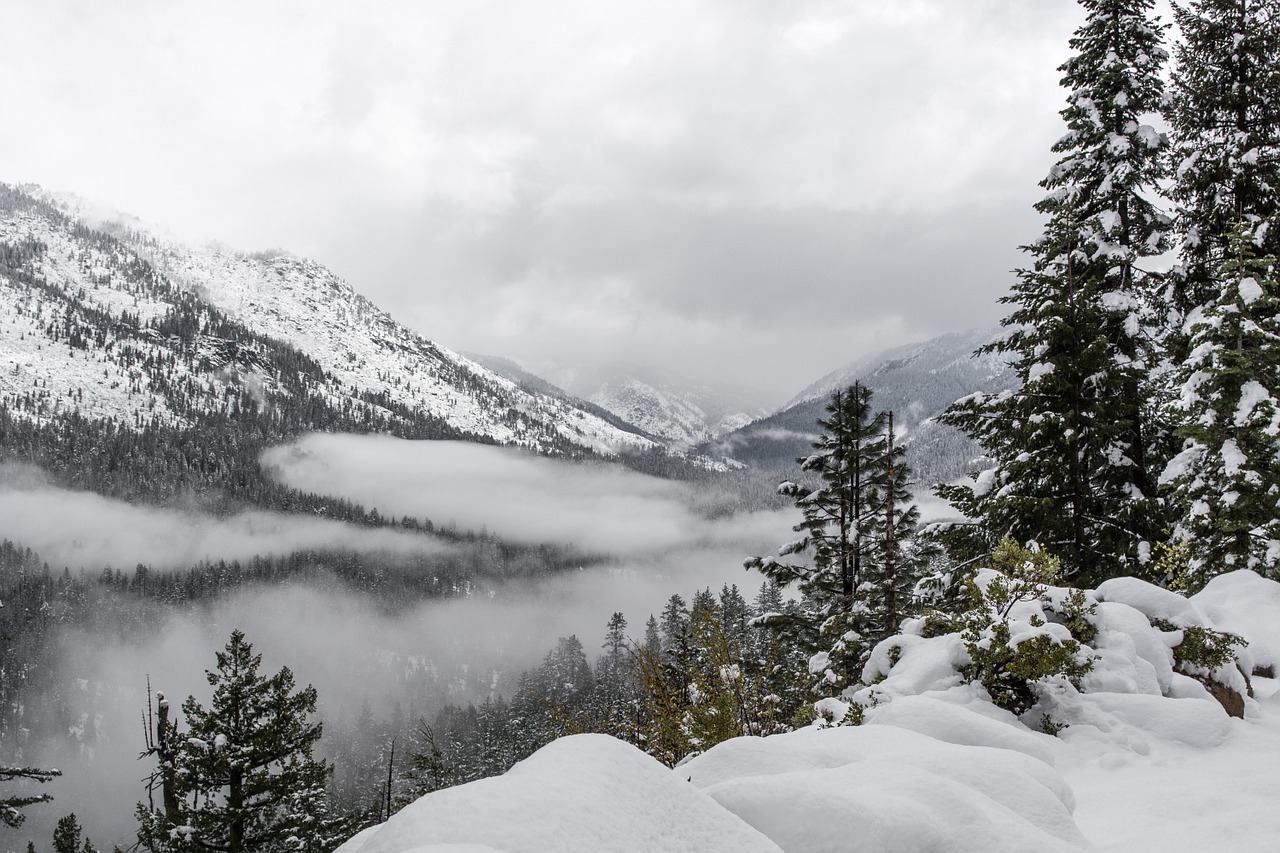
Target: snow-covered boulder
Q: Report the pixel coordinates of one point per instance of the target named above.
(977, 723)
(878, 788)
(588, 793)
(1247, 604)
(1152, 601)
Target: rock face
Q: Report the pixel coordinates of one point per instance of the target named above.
(1230, 700)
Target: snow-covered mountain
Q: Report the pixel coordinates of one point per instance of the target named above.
(917, 382)
(679, 409)
(112, 321)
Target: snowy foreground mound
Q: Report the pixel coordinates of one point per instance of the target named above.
(1149, 761)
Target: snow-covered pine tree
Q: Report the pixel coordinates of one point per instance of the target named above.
(1073, 446)
(1224, 111)
(244, 775)
(890, 581)
(1221, 340)
(615, 701)
(1226, 480)
(848, 583)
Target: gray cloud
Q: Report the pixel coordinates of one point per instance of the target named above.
(670, 182)
(514, 494)
(82, 530)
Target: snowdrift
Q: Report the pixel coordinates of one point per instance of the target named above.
(1148, 760)
(580, 793)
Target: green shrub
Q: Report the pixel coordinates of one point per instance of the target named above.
(1075, 613)
(1009, 671)
(1206, 648)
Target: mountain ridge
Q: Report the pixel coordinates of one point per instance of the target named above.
(140, 308)
(916, 381)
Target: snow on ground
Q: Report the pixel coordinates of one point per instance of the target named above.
(1149, 761)
(586, 793)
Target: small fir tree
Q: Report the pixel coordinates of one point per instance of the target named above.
(66, 835)
(244, 776)
(856, 525)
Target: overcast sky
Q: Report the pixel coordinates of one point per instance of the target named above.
(741, 190)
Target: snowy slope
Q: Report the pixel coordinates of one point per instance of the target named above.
(1150, 761)
(682, 410)
(946, 355)
(127, 282)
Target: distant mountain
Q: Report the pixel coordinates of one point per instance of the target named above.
(917, 382)
(111, 321)
(683, 411)
(535, 384)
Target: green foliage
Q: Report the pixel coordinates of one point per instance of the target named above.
(1205, 649)
(1170, 566)
(1025, 572)
(1009, 669)
(1075, 611)
(717, 683)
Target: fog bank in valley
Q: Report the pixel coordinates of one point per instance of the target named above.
(514, 494)
(647, 537)
(83, 530)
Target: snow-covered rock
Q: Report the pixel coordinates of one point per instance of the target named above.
(1147, 761)
(589, 793)
(1247, 604)
(874, 787)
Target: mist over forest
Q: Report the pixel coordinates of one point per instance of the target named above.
(625, 543)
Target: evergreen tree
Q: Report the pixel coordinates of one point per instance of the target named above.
(66, 835)
(675, 626)
(1226, 480)
(652, 639)
(616, 699)
(245, 778)
(846, 524)
(1073, 447)
(1224, 110)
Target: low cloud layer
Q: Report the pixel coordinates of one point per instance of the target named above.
(82, 530)
(353, 652)
(513, 494)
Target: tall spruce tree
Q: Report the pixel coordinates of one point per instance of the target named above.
(244, 776)
(1226, 480)
(857, 567)
(1222, 332)
(1073, 447)
(1224, 110)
